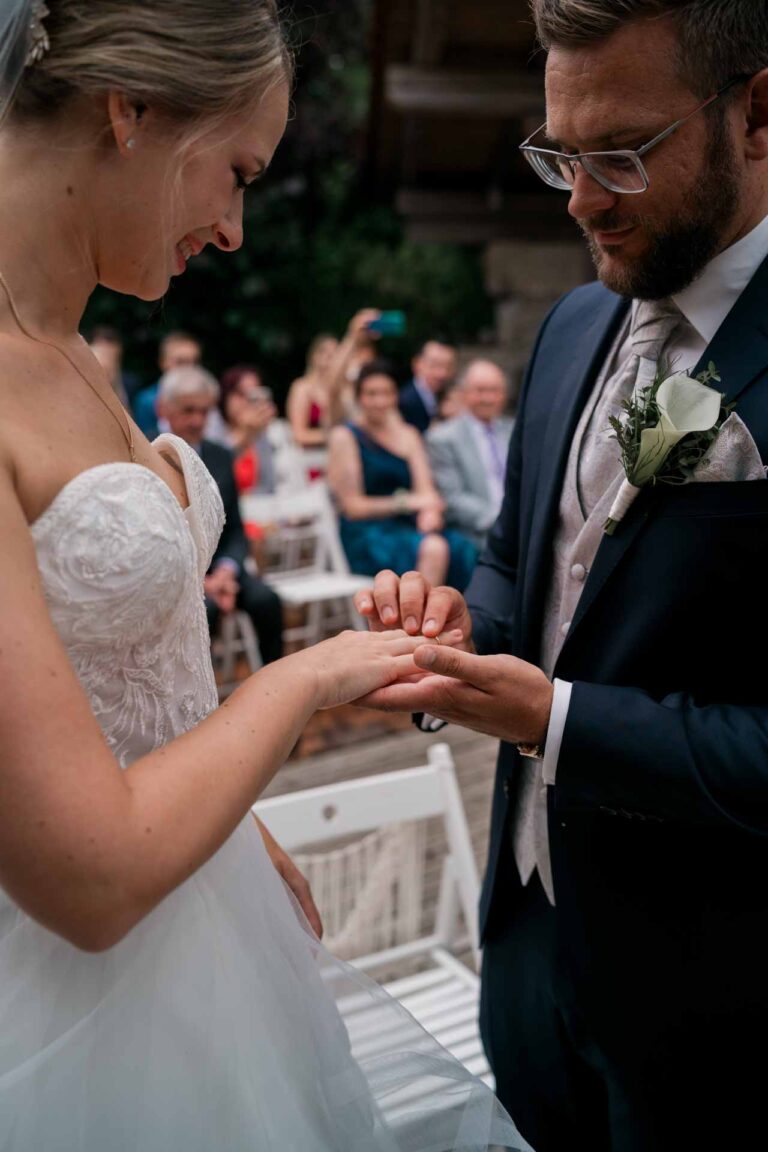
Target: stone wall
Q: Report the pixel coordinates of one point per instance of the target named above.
(525, 278)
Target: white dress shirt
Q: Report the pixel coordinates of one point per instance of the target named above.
(705, 305)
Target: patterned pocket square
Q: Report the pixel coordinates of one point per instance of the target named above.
(733, 456)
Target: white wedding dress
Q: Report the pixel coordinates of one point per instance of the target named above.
(213, 1026)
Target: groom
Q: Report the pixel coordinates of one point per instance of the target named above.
(625, 981)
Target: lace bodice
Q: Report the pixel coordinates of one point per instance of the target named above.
(122, 567)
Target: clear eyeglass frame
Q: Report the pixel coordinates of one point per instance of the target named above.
(619, 170)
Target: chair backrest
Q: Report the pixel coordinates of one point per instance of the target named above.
(288, 457)
(310, 508)
(377, 809)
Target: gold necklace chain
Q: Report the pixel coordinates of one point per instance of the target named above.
(124, 424)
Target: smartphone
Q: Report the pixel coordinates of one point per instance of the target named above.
(389, 324)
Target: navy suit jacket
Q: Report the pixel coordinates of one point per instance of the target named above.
(233, 542)
(412, 408)
(659, 816)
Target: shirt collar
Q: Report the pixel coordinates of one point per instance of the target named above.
(707, 301)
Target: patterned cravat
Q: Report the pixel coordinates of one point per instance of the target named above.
(593, 466)
(653, 324)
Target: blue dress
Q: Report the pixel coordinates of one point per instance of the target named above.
(393, 541)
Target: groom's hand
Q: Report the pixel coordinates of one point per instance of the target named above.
(499, 695)
(410, 602)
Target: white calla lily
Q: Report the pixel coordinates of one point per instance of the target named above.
(685, 406)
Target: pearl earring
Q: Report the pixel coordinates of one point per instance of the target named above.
(130, 143)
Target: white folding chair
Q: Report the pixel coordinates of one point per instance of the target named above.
(371, 894)
(311, 570)
(235, 637)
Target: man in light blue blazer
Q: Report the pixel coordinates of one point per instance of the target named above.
(469, 453)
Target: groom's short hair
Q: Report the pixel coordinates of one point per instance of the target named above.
(718, 40)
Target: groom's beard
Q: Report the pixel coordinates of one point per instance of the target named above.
(678, 251)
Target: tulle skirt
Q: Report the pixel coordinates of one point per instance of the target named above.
(214, 1027)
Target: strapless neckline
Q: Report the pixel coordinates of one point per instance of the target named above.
(129, 467)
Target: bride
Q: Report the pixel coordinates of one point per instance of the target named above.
(159, 986)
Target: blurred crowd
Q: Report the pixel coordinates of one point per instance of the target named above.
(414, 466)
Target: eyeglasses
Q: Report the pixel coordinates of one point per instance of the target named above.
(619, 171)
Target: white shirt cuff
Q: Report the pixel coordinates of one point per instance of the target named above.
(429, 723)
(557, 717)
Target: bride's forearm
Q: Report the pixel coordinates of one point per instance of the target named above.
(196, 788)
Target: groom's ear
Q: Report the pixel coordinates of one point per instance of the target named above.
(756, 137)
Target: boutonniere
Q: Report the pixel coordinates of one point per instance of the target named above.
(664, 432)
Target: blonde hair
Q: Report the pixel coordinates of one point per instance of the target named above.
(192, 60)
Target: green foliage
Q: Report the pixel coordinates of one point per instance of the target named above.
(316, 250)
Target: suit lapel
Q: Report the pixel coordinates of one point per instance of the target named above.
(739, 351)
(579, 360)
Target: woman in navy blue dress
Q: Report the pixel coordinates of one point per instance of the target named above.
(390, 510)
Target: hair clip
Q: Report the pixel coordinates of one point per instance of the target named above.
(40, 43)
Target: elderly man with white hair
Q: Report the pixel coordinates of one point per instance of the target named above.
(186, 396)
(469, 452)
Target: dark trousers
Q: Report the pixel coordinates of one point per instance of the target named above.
(698, 1087)
(263, 606)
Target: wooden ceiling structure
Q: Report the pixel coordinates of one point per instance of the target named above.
(458, 84)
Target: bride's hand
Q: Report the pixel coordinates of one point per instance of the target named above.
(353, 664)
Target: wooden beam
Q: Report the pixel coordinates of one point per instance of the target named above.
(444, 92)
(474, 218)
(431, 33)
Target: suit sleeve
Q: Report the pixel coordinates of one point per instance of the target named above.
(466, 509)
(233, 543)
(492, 592)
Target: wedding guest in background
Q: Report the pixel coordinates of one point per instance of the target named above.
(354, 352)
(243, 419)
(177, 350)
(308, 406)
(185, 399)
(107, 346)
(434, 367)
(468, 454)
(451, 403)
(391, 513)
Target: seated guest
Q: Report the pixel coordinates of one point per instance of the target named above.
(246, 413)
(391, 513)
(185, 398)
(469, 453)
(309, 398)
(177, 350)
(434, 367)
(324, 397)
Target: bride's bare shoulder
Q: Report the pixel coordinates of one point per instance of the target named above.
(35, 412)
